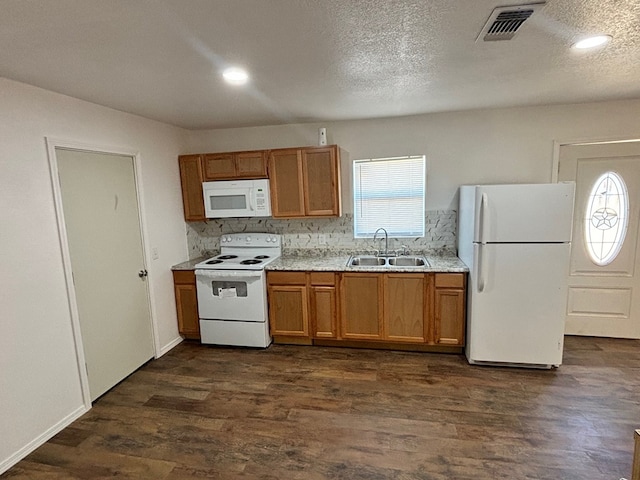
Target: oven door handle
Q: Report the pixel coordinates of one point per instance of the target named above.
(230, 274)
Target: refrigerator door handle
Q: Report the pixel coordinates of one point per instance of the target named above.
(481, 268)
(484, 216)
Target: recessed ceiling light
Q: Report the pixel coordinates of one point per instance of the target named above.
(235, 76)
(592, 42)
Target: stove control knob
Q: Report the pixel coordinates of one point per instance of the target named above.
(248, 239)
(223, 239)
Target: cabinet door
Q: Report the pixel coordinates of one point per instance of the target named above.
(251, 164)
(323, 312)
(187, 304)
(449, 321)
(191, 181)
(321, 181)
(361, 306)
(285, 176)
(218, 166)
(405, 308)
(449, 326)
(288, 311)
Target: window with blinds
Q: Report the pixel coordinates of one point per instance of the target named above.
(389, 193)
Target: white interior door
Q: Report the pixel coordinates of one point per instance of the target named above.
(102, 223)
(604, 283)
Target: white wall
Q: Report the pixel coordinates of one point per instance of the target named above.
(39, 380)
(477, 146)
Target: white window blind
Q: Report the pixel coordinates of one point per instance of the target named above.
(389, 193)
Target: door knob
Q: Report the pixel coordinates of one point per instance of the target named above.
(143, 273)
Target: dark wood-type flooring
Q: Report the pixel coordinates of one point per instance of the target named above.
(294, 412)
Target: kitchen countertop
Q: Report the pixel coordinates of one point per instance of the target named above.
(338, 263)
(189, 264)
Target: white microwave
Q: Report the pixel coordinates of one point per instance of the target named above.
(237, 198)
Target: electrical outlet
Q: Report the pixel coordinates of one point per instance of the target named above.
(154, 253)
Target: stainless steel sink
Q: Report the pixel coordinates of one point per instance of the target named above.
(409, 261)
(366, 261)
(373, 261)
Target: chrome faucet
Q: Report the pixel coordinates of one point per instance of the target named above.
(386, 241)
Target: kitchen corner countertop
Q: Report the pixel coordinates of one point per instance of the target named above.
(189, 264)
(338, 263)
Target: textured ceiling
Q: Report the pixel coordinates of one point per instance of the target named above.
(314, 60)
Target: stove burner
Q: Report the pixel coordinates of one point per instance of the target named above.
(261, 257)
(227, 257)
(213, 262)
(251, 261)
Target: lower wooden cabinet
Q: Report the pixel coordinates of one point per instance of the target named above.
(390, 307)
(184, 286)
(361, 306)
(405, 307)
(302, 306)
(323, 304)
(414, 310)
(450, 311)
(288, 304)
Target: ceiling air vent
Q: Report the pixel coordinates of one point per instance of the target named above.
(504, 22)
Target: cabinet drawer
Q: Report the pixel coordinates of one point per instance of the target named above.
(184, 276)
(450, 280)
(323, 278)
(287, 278)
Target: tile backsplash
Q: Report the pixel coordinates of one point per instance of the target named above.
(323, 235)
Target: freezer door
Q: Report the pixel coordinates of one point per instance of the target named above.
(523, 213)
(517, 303)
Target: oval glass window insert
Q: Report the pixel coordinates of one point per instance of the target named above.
(606, 218)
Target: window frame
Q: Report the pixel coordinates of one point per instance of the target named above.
(420, 230)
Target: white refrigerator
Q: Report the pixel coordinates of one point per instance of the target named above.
(516, 239)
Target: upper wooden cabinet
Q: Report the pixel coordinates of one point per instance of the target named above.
(191, 178)
(305, 182)
(233, 165)
(195, 169)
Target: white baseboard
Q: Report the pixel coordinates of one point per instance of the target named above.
(41, 439)
(170, 345)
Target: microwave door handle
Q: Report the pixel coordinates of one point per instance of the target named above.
(250, 195)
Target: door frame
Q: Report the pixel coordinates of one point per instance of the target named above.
(52, 144)
(557, 144)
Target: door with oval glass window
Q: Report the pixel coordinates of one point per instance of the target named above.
(604, 279)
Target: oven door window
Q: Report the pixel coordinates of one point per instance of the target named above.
(229, 289)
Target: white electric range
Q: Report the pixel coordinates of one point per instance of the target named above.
(232, 290)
